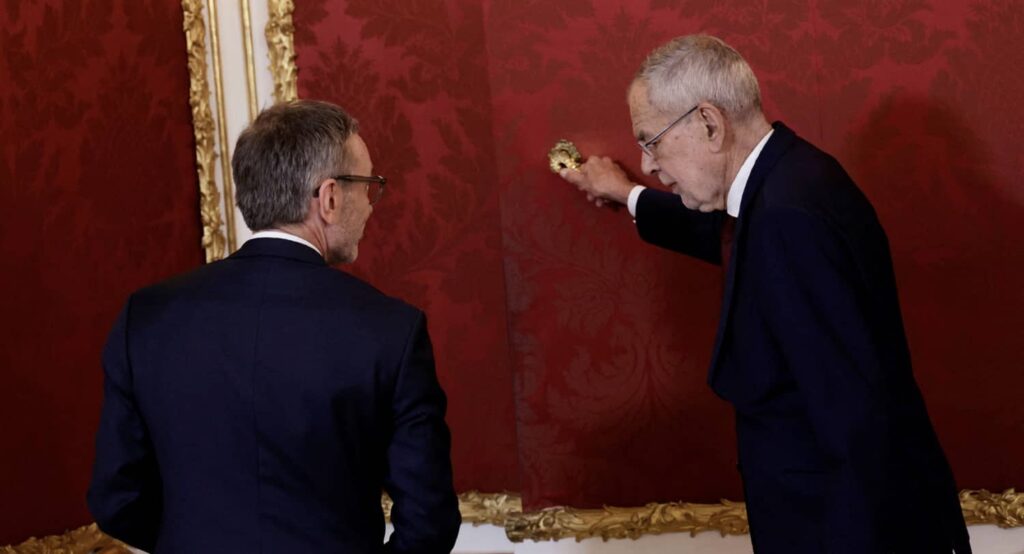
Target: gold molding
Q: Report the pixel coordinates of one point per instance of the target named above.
(980, 507)
(280, 33)
(728, 518)
(222, 118)
(984, 507)
(489, 508)
(88, 539)
(477, 507)
(203, 128)
(250, 62)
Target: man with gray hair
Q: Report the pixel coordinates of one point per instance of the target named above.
(836, 450)
(263, 402)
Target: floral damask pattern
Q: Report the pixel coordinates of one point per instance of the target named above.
(98, 194)
(940, 157)
(606, 340)
(412, 73)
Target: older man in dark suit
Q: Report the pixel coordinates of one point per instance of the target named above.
(261, 403)
(836, 450)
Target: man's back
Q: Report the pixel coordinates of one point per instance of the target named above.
(277, 397)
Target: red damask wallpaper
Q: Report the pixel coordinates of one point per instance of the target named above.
(605, 339)
(98, 197)
(414, 74)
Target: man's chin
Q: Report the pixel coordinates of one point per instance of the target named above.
(341, 258)
(697, 206)
(690, 205)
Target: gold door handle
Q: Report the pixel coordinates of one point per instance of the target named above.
(564, 155)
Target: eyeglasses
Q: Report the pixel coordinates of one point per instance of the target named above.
(648, 146)
(374, 185)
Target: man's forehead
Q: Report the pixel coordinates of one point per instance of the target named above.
(357, 149)
(641, 112)
(355, 144)
(637, 97)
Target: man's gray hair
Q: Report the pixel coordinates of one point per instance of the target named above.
(283, 156)
(698, 68)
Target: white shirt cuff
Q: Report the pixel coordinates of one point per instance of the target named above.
(634, 196)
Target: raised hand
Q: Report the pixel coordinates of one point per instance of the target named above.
(601, 179)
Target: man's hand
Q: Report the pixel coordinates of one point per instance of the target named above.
(602, 179)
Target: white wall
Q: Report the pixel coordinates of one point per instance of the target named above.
(225, 37)
(985, 539)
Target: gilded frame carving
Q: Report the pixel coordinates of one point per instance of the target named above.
(214, 241)
(88, 539)
(280, 34)
(505, 509)
(478, 508)
(980, 507)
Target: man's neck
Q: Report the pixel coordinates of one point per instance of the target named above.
(747, 137)
(740, 160)
(306, 232)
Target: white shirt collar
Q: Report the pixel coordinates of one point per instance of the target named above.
(739, 184)
(274, 234)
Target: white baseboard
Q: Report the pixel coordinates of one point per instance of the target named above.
(491, 539)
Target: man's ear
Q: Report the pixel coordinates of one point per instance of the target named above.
(713, 121)
(328, 201)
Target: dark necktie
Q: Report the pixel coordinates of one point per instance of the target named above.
(728, 230)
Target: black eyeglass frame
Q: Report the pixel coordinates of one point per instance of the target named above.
(379, 179)
(648, 146)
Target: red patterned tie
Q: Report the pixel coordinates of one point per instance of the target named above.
(728, 230)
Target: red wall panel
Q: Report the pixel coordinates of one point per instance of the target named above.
(609, 338)
(926, 117)
(573, 354)
(98, 197)
(414, 75)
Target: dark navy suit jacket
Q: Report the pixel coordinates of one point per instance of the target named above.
(261, 404)
(836, 449)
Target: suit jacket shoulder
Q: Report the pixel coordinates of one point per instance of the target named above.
(264, 388)
(808, 180)
(257, 277)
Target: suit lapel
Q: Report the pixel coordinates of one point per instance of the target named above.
(773, 151)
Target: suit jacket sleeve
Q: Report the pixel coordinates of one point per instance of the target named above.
(663, 220)
(419, 477)
(812, 292)
(125, 493)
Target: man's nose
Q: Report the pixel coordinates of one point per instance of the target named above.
(647, 164)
